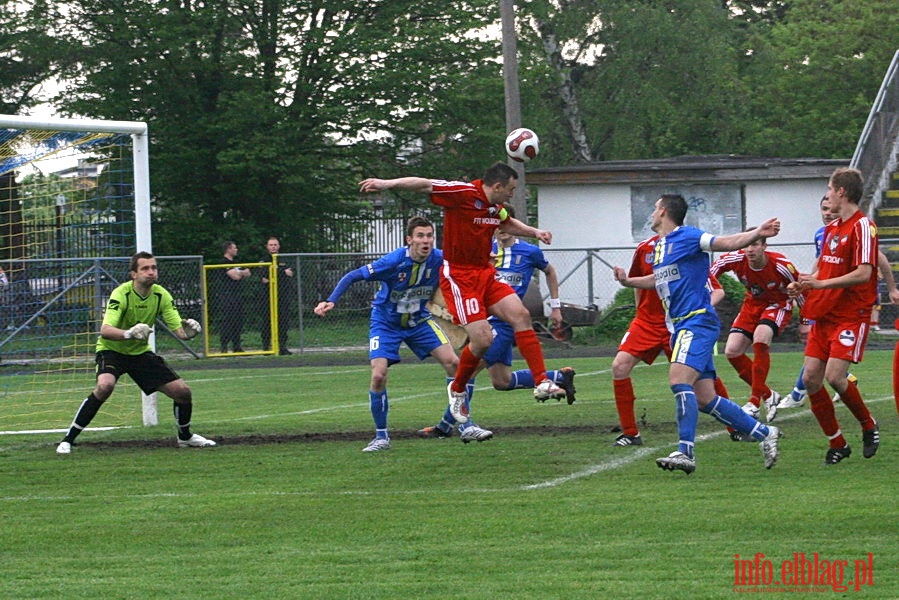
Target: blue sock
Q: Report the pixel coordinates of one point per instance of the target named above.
(728, 413)
(469, 392)
(379, 408)
(799, 388)
(521, 380)
(686, 413)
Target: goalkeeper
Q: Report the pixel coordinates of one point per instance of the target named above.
(122, 347)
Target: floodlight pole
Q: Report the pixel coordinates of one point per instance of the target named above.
(513, 97)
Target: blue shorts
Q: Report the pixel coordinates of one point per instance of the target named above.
(500, 351)
(693, 343)
(384, 340)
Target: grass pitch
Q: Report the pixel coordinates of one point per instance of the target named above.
(287, 506)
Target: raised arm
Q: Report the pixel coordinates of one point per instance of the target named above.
(409, 184)
(736, 241)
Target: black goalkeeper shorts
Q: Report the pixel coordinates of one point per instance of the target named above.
(148, 370)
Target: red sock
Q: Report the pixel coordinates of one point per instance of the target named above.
(761, 364)
(720, 389)
(743, 365)
(468, 363)
(624, 404)
(852, 398)
(532, 351)
(822, 408)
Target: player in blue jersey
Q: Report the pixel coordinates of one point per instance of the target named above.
(515, 262)
(680, 276)
(796, 398)
(408, 276)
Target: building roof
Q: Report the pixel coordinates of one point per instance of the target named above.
(706, 168)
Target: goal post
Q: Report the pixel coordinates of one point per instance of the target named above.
(31, 236)
(140, 153)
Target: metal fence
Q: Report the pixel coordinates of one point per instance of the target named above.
(62, 299)
(53, 308)
(875, 153)
(585, 276)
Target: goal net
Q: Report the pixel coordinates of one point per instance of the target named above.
(74, 205)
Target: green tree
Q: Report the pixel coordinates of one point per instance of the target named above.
(29, 55)
(264, 114)
(815, 74)
(646, 78)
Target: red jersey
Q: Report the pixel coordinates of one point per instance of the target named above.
(846, 245)
(649, 307)
(469, 221)
(765, 287)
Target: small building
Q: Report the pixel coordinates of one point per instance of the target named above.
(608, 204)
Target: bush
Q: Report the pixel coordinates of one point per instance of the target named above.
(612, 323)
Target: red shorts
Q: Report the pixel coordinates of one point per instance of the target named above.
(645, 341)
(470, 290)
(845, 341)
(750, 317)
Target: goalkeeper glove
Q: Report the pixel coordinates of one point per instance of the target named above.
(191, 327)
(141, 331)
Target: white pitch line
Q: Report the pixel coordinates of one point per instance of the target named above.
(609, 465)
(619, 462)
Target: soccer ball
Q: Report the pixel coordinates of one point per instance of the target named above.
(522, 144)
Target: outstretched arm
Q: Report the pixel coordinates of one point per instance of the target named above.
(516, 227)
(736, 241)
(409, 184)
(345, 282)
(645, 282)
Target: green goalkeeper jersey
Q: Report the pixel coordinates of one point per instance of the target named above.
(126, 308)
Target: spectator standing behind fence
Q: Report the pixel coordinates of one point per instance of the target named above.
(122, 348)
(230, 299)
(285, 279)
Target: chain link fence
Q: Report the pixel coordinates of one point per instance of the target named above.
(55, 311)
(52, 308)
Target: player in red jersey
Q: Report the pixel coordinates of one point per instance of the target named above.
(472, 213)
(647, 336)
(839, 297)
(766, 311)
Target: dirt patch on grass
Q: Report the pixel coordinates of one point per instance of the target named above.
(604, 434)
